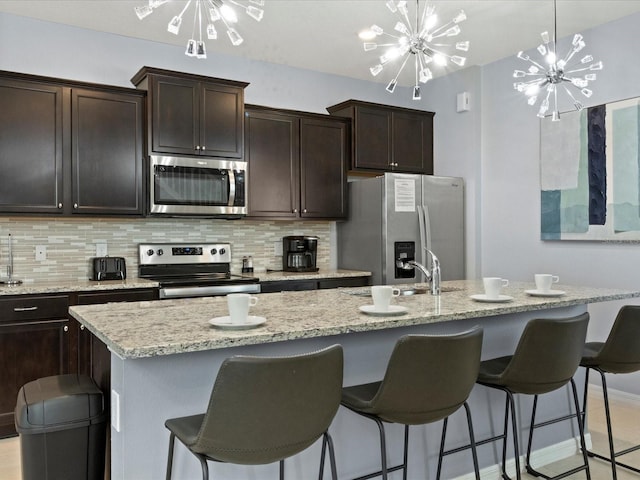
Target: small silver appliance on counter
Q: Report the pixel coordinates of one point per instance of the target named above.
(393, 217)
(192, 269)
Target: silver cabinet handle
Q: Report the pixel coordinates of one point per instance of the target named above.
(81, 327)
(25, 309)
(66, 328)
(304, 211)
(60, 205)
(197, 147)
(295, 210)
(204, 148)
(75, 205)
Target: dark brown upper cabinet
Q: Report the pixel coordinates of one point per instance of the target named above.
(70, 148)
(193, 115)
(387, 138)
(297, 164)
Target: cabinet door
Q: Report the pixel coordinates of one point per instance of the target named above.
(30, 147)
(29, 351)
(323, 168)
(175, 116)
(221, 125)
(107, 153)
(372, 139)
(272, 153)
(412, 142)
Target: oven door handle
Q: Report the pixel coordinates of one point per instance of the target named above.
(206, 291)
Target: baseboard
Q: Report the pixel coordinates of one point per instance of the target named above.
(616, 395)
(539, 458)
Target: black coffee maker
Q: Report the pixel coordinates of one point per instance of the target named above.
(299, 254)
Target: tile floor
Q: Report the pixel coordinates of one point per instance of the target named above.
(626, 426)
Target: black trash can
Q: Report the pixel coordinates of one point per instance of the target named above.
(62, 425)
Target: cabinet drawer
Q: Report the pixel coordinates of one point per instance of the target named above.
(41, 307)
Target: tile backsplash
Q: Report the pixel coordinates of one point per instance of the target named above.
(71, 242)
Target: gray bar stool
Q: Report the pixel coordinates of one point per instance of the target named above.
(619, 354)
(265, 409)
(427, 379)
(546, 359)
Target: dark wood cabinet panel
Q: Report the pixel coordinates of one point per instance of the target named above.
(323, 168)
(34, 342)
(297, 164)
(107, 152)
(412, 142)
(387, 138)
(192, 114)
(69, 149)
(272, 153)
(30, 147)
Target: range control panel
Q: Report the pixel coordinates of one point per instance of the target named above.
(175, 254)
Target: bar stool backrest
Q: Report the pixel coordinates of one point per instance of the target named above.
(262, 410)
(621, 351)
(428, 377)
(547, 356)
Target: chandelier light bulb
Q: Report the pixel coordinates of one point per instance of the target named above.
(213, 11)
(417, 35)
(559, 72)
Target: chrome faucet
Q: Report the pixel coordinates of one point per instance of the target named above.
(433, 276)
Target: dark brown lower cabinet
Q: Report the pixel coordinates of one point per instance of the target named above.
(34, 343)
(39, 339)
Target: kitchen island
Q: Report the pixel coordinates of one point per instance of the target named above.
(165, 357)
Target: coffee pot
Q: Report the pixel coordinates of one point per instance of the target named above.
(299, 253)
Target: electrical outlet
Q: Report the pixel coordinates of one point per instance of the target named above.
(115, 410)
(41, 252)
(277, 248)
(101, 250)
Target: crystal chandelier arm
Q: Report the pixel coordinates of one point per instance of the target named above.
(184, 9)
(195, 18)
(404, 62)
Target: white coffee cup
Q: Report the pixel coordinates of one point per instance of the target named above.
(381, 295)
(239, 304)
(493, 285)
(544, 281)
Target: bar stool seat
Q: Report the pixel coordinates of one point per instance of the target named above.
(428, 378)
(546, 358)
(263, 410)
(619, 354)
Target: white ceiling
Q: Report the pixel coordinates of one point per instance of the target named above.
(321, 35)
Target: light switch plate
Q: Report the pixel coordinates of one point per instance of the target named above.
(101, 250)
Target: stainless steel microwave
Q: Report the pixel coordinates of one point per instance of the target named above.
(197, 186)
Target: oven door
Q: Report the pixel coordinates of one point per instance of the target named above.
(197, 186)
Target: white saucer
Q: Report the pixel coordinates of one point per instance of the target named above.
(481, 297)
(224, 323)
(393, 310)
(548, 293)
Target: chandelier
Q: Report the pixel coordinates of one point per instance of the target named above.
(423, 40)
(207, 13)
(551, 73)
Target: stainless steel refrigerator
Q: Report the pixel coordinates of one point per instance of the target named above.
(393, 216)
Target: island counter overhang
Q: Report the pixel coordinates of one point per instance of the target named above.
(165, 357)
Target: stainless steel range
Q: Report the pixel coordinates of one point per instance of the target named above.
(192, 269)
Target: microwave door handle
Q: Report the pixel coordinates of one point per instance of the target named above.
(232, 187)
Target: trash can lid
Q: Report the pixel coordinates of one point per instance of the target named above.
(59, 402)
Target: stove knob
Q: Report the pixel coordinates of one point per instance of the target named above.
(213, 251)
(222, 251)
(160, 251)
(150, 252)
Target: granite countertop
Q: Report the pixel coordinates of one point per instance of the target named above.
(34, 288)
(44, 287)
(273, 276)
(163, 327)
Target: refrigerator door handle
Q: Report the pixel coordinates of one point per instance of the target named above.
(425, 232)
